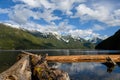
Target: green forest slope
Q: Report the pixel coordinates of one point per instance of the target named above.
(13, 38)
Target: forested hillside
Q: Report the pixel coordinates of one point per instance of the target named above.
(14, 38)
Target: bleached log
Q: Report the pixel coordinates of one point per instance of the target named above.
(19, 71)
(83, 58)
(33, 67)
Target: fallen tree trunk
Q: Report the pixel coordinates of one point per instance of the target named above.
(19, 71)
(33, 67)
(83, 58)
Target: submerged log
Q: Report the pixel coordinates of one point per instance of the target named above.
(33, 67)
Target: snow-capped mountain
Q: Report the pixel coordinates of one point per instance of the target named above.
(45, 34)
(66, 38)
(95, 40)
(38, 40)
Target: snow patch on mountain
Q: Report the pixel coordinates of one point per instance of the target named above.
(11, 25)
(58, 36)
(65, 40)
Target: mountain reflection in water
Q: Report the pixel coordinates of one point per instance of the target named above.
(77, 71)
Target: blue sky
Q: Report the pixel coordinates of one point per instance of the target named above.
(79, 18)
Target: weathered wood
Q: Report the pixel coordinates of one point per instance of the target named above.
(33, 67)
(83, 58)
(110, 64)
(110, 60)
(19, 71)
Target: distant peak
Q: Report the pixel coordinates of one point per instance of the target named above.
(118, 32)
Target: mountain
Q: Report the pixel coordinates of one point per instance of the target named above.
(111, 43)
(14, 38)
(64, 42)
(95, 40)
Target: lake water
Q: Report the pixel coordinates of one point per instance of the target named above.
(76, 71)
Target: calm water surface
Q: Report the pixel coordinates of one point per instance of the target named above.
(77, 71)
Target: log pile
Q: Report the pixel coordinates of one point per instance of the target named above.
(33, 67)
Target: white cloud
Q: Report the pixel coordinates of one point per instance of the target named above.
(2, 11)
(21, 14)
(77, 67)
(86, 34)
(117, 13)
(37, 3)
(47, 4)
(48, 16)
(64, 5)
(33, 3)
(99, 13)
(62, 28)
(97, 27)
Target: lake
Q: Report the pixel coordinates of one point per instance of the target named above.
(76, 71)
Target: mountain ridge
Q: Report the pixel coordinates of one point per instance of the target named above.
(111, 43)
(15, 38)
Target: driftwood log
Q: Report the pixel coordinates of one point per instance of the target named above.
(33, 67)
(84, 58)
(19, 71)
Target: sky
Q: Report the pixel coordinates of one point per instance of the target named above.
(79, 18)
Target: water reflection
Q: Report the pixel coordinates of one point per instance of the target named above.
(88, 71)
(7, 59)
(51, 52)
(66, 51)
(110, 67)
